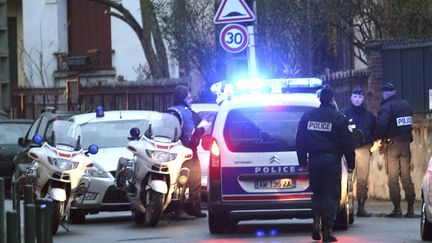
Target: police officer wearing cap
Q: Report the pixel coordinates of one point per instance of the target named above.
(322, 139)
(361, 123)
(394, 128)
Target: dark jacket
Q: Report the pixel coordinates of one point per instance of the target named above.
(188, 120)
(364, 120)
(324, 130)
(394, 120)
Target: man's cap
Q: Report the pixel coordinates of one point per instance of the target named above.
(180, 92)
(358, 90)
(388, 87)
(326, 95)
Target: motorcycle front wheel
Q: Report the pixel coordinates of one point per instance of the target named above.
(154, 205)
(58, 214)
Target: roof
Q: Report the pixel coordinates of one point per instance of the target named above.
(116, 115)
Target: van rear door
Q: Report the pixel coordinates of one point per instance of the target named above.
(259, 160)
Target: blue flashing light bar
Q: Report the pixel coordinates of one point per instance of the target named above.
(304, 83)
(226, 90)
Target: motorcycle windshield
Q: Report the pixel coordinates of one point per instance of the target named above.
(166, 129)
(64, 135)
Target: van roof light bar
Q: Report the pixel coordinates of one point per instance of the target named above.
(227, 90)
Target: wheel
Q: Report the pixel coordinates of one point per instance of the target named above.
(342, 219)
(77, 217)
(216, 224)
(138, 217)
(425, 225)
(153, 206)
(58, 213)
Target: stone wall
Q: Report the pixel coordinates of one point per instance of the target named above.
(420, 153)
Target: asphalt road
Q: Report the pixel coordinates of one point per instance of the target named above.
(119, 227)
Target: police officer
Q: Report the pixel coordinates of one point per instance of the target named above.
(394, 128)
(323, 135)
(361, 122)
(192, 130)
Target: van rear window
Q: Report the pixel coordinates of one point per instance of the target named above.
(263, 129)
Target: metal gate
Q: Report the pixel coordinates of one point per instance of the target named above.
(408, 65)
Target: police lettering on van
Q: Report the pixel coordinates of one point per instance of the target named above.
(276, 169)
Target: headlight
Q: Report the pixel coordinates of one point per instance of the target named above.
(96, 171)
(161, 156)
(63, 164)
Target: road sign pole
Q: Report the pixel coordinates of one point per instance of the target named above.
(251, 52)
(252, 63)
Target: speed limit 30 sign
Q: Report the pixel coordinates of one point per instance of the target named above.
(234, 38)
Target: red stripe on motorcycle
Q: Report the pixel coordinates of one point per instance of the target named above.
(162, 146)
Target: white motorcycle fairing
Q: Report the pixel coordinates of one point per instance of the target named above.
(58, 167)
(58, 194)
(158, 186)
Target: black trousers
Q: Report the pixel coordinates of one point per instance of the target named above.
(325, 182)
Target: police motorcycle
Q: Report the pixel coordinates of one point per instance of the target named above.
(154, 179)
(56, 172)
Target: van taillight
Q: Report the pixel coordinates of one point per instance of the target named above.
(214, 168)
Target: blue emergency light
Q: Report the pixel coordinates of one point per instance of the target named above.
(226, 90)
(99, 111)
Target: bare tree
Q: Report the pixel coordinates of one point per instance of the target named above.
(149, 34)
(289, 35)
(190, 33)
(367, 20)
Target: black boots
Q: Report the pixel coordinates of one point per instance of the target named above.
(182, 215)
(196, 210)
(410, 210)
(397, 212)
(361, 212)
(181, 212)
(316, 227)
(200, 214)
(327, 235)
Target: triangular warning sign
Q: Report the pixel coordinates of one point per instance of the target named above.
(232, 11)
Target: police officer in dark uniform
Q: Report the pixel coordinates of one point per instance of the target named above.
(323, 135)
(192, 130)
(362, 123)
(394, 128)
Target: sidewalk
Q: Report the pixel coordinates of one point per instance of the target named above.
(379, 208)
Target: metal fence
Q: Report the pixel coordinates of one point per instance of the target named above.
(28, 102)
(406, 63)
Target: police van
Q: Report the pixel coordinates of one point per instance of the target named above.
(253, 169)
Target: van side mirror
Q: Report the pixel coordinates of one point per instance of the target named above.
(206, 142)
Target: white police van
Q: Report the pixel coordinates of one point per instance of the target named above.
(253, 170)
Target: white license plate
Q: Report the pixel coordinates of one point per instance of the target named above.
(285, 183)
